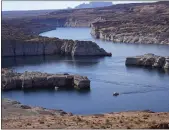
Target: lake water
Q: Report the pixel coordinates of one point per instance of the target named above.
(139, 88)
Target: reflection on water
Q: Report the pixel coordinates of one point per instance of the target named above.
(117, 49)
(52, 90)
(81, 61)
(139, 88)
(158, 71)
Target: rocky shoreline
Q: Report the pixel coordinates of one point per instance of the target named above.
(141, 23)
(124, 23)
(51, 46)
(149, 60)
(33, 110)
(119, 33)
(36, 80)
(17, 115)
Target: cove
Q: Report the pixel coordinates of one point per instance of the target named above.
(139, 88)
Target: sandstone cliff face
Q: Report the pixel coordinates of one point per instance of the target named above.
(35, 80)
(131, 33)
(145, 23)
(88, 48)
(141, 24)
(50, 46)
(71, 22)
(149, 60)
(31, 47)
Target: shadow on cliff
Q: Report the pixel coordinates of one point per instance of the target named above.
(79, 61)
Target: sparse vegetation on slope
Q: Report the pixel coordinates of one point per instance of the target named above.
(128, 23)
(16, 115)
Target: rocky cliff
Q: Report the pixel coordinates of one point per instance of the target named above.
(149, 60)
(141, 24)
(50, 46)
(36, 80)
(145, 23)
(138, 33)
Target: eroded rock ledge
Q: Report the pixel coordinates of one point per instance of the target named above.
(30, 80)
(139, 24)
(119, 32)
(50, 46)
(149, 60)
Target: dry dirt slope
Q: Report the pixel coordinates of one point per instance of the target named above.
(16, 115)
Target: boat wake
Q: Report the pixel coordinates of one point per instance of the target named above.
(144, 91)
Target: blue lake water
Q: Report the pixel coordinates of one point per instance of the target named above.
(139, 88)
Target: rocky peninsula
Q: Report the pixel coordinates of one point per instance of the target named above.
(35, 80)
(16, 116)
(149, 60)
(51, 46)
(140, 23)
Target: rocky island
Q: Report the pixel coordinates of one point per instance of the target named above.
(149, 60)
(35, 80)
(50, 46)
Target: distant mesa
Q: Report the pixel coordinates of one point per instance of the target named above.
(69, 8)
(94, 5)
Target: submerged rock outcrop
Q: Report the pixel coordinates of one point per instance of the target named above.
(30, 80)
(50, 46)
(149, 60)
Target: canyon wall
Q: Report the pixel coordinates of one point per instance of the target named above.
(50, 46)
(141, 23)
(131, 33)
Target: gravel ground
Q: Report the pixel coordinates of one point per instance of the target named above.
(17, 115)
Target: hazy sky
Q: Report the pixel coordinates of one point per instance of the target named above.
(37, 5)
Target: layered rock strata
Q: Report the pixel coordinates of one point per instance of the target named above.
(50, 46)
(119, 32)
(149, 60)
(30, 80)
(140, 23)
